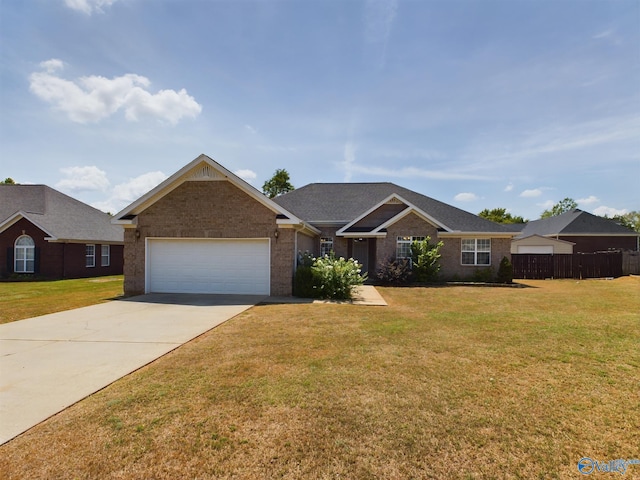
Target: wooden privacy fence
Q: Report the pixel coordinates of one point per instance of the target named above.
(576, 265)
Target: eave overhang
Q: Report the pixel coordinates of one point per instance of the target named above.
(378, 231)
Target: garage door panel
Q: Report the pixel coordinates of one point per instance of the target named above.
(234, 266)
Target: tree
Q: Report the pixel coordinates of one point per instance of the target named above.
(425, 258)
(630, 220)
(9, 181)
(500, 215)
(278, 184)
(559, 208)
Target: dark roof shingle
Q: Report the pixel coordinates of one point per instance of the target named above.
(575, 222)
(61, 216)
(343, 202)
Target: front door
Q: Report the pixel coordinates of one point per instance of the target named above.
(361, 252)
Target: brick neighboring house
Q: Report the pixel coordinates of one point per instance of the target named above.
(48, 234)
(587, 232)
(205, 230)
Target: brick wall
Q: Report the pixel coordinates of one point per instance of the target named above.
(411, 225)
(452, 257)
(55, 260)
(340, 244)
(209, 209)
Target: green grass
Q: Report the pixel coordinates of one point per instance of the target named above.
(456, 383)
(20, 300)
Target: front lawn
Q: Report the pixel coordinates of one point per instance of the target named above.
(20, 300)
(449, 382)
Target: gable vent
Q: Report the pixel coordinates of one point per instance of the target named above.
(394, 201)
(206, 172)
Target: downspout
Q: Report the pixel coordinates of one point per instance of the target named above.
(295, 251)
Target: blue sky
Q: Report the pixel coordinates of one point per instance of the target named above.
(479, 104)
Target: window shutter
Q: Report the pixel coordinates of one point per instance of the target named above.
(36, 260)
(10, 264)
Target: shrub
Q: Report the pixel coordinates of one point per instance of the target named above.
(303, 284)
(335, 277)
(485, 275)
(394, 272)
(326, 277)
(424, 259)
(505, 271)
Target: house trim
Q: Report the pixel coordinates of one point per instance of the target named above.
(203, 168)
(394, 196)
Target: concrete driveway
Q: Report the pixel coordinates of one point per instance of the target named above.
(50, 362)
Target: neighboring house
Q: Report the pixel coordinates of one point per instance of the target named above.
(537, 244)
(205, 230)
(589, 233)
(48, 234)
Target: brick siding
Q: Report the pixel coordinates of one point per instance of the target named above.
(209, 209)
(56, 260)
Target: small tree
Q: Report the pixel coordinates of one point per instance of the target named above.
(500, 215)
(505, 271)
(561, 207)
(278, 184)
(9, 181)
(425, 258)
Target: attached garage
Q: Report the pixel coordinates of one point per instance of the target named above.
(194, 265)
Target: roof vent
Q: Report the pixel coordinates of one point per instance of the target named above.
(394, 201)
(206, 172)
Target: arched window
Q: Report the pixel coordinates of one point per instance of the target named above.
(25, 255)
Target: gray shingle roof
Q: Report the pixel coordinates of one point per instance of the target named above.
(61, 216)
(575, 222)
(343, 202)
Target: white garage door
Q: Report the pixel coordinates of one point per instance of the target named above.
(535, 248)
(233, 266)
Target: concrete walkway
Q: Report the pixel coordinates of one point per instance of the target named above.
(50, 362)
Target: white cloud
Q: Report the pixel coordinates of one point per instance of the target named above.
(125, 193)
(413, 172)
(89, 6)
(52, 65)
(604, 33)
(349, 159)
(546, 205)
(93, 98)
(250, 129)
(379, 18)
(83, 179)
(535, 192)
(246, 175)
(466, 197)
(508, 188)
(590, 200)
(609, 211)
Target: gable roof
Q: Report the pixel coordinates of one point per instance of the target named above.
(575, 222)
(61, 217)
(204, 168)
(342, 203)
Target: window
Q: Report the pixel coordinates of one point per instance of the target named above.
(403, 246)
(24, 255)
(105, 256)
(90, 255)
(476, 251)
(326, 246)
